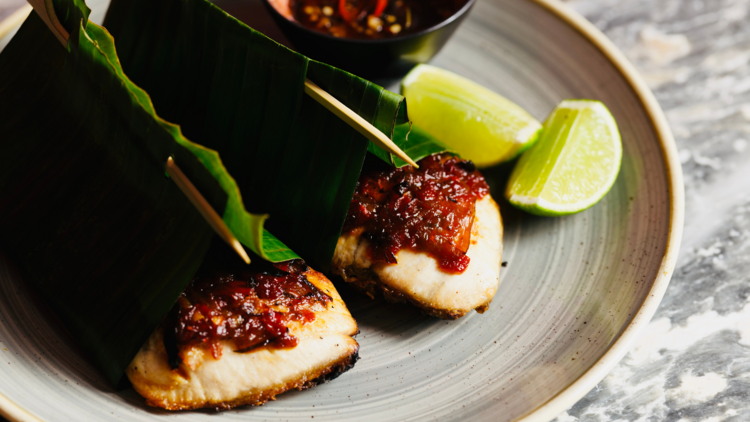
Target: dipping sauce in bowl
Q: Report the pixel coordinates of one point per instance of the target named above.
(370, 38)
(372, 19)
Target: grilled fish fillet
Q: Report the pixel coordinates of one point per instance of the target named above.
(325, 350)
(417, 279)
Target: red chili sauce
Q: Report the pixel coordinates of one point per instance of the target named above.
(253, 309)
(372, 19)
(428, 209)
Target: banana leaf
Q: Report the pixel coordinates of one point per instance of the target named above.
(86, 210)
(415, 142)
(85, 207)
(240, 93)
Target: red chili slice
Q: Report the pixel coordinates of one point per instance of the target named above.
(380, 7)
(345, 13)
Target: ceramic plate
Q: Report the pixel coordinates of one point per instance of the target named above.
(572, 297)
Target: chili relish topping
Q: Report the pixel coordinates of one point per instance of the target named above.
(429, 209)
(251, 308)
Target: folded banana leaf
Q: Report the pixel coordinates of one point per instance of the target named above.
(85, 207)
(86, 210)
(240, 93)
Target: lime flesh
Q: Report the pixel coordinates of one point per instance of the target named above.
(479, 124)
(574, 163)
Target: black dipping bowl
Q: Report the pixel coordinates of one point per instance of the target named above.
(387, 57)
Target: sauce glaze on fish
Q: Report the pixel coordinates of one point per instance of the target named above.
(430, 209)
(252, 309)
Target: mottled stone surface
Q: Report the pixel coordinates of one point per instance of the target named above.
(692, 363)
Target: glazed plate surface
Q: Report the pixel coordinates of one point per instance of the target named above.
(574, 293)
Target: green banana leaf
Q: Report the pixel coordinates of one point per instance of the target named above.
(248, 228)
(240, 93)
(86, 210)
(85, 207)
(416, 143)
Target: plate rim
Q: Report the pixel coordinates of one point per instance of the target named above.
(617, 350)
(9, 409)
(575, 391)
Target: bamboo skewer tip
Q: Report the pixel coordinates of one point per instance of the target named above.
(206, 210)
(355, 120)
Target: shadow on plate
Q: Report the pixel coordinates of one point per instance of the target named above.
(378, 314)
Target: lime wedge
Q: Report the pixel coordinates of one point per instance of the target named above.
(574, 163)
(473, 121)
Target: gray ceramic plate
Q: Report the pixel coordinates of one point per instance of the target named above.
(575, 291)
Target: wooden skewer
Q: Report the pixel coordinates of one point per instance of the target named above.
(41, 7)
(187, 187)
(355, 120)
(317, 93)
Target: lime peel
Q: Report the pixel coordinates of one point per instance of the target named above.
(523, 135)
(578, 156)
(477, 123)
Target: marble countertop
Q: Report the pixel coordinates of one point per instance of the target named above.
(692, 363)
